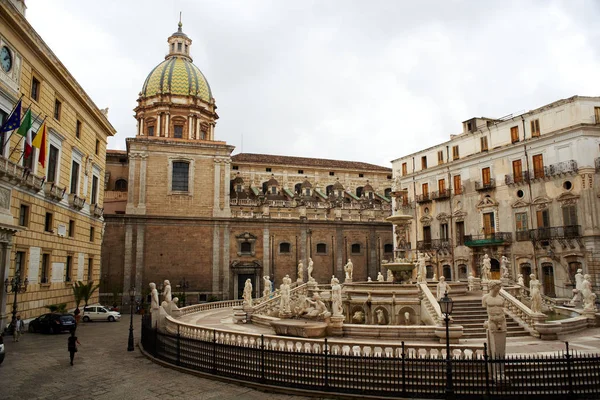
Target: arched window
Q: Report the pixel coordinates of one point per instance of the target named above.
(355, 248)
(447, 271)
(462, 271)
(121, 185)
(178, 131)
(359, 191)
(321, 248)
(284, 247)
(388, 248)
(181, 174)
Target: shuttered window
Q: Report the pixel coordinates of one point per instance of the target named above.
(440, 157)
(485, 176)
(457, 184)
(514, 134)
(538, 166)
(181, 171)
(404, 169)
(569, 215)
(455, 153)
(442, 186)
(484, 143)
(535, 128)
(521, 221)
(425, 189)
(517, 171)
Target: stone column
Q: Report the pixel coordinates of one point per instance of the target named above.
(141, 126)
(128, 256)
(303, 253)
(139, 258)
(226, 236)
(167, 124)
(211, 132)
(141, 208)
(198, 129)
(158, 124)
(266, 252)
(190, 127)
(216, 258)
(130, 208)
(226, 187)
(217, 188)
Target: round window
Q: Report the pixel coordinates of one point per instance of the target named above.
(426, 210)
(520, 193)
(567, 185)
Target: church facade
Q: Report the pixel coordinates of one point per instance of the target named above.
(180, 206)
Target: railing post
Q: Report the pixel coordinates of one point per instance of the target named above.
(214, 355)
(403, 371)
(262, 358)
(178, 345)
(325, 352)
(569, 374)
(487, 370)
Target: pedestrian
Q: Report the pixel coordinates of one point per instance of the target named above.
(18, 328)
(73, 342)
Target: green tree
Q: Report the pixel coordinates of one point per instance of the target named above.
(77, 293)
(83, 292)
(60, 308)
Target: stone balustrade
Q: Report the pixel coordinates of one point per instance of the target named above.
(521, 313)
(430, 309)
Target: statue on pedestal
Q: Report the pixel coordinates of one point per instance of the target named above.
(380, 317)
(486, 268)
(316, 308)
(496, 322)
(154, 302)
(422, 259)
(301, 272)
(336, 297)
(471, 280)
(536, 296)
(442, 287)
(310, 270)
(390, 276)
(589, 297)
(380, 277)
(247, 293)
(504, 267)
(521, 283)
(349, 269)
(268, 286)
(284, 304)
(577, 295)
(167, 291)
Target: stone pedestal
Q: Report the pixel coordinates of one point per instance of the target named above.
(348, 280)
(496, 342)
(336, 325)
(591, 316)
(239, 315)
(455, 332)
(154, 314)
(300, 281)
(484, 287)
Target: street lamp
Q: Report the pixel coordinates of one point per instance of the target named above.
(130, 346)
(16, 286)
(446, 304)
(183, 284)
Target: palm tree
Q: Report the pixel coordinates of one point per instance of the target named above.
(88, 290)
(77, 293)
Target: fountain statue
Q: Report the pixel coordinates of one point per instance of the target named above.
(349, 269)
(589, 297)
(301, 272)
(380, 277)
(486, 268)
(536, 296)
(268, 286)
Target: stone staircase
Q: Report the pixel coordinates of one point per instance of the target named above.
(471, 315)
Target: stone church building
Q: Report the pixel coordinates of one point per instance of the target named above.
(180, 206)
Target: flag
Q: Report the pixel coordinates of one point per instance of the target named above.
(40, 142)
(25, 130)
(12, 122)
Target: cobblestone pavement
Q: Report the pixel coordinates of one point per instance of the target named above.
(37, 367)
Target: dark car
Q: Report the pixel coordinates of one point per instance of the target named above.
(52, 323)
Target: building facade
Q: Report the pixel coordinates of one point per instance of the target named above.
(523, 186)
(180, 206)
(50, 216)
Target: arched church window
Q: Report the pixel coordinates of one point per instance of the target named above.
(284, 247)
(178, 131)
(150, 130)
(178, 46)
(121, 185)
(181, 172)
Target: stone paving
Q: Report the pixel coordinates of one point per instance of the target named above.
(37, 367)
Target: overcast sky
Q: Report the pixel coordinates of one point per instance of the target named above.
(352, 80)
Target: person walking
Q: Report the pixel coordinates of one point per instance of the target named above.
(73, 342)
(18, 329)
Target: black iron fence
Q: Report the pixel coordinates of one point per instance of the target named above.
(564, 375)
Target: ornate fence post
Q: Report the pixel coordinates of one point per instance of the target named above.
(403, 370)
(569, 374)
(214, 355)
(262, 358)
(487, 370)
(325, 351)
(178, 345)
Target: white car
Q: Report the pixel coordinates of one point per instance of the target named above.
(99, 313)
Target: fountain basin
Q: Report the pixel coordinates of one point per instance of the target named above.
(300, 328)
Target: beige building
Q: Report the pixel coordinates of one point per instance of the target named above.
(180, 206)
(523, 186)
(50, 217)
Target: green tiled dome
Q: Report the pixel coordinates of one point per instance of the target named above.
(177, 75)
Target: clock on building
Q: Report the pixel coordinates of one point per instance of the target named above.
(6, 59)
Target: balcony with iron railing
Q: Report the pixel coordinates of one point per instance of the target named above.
(554, 232)
(433, 244)
(423, 198)
(489, 239)
(556, 170)
(485, 185)
(517, 179)
(441, 195)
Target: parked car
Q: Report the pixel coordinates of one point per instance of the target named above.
(52, 323)
(99, 313)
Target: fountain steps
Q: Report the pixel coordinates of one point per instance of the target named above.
(471, 315)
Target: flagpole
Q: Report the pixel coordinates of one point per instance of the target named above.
(34, 121)
(4, 142)
(19, 142)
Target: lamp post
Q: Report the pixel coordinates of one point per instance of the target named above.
(16, 286)
(446, 305)
(183, 284)
(130, 346)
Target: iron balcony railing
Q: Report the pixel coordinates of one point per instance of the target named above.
(441, 195)
(559, 169)
(433, 244)
(517, 179)
(555, 232)
(496, 238)
(423, 198)
(485, 185)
